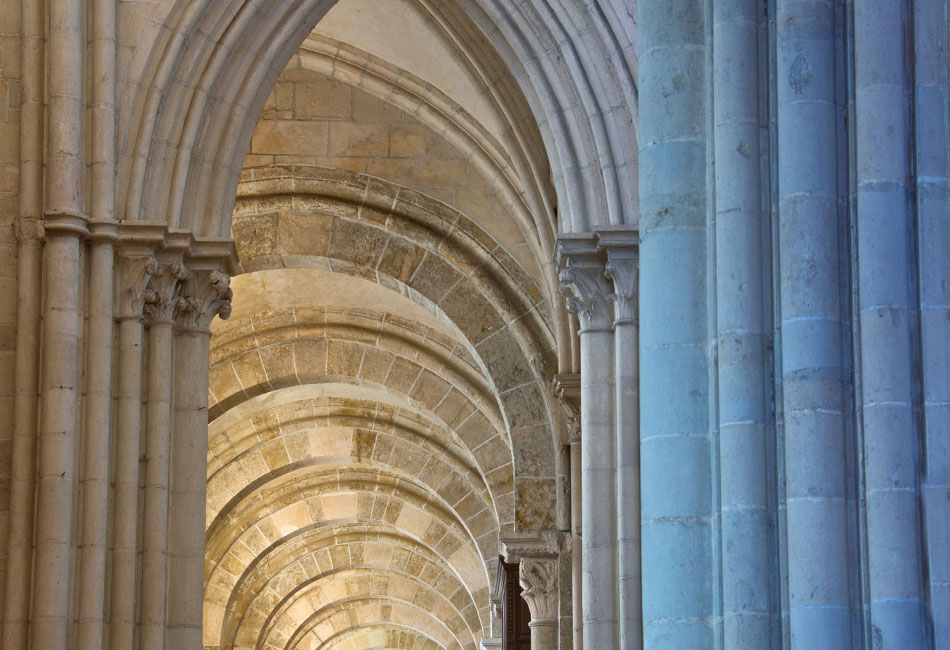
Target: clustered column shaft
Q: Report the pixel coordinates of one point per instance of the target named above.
(207, 294)
(675, 365)
(28, 331)
(812, 329)
(95, 534)
(745, 540)
(888, 322)
(160, 311)
(180, 297)
(598, 270)
(98, 447)
(62, 340)
(621, 269)
(794, 188)
(931, 122)
(136, 272)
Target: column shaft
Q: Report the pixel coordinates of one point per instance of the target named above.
(577, 574)
(128, 436)
(745, 543)
(58, 435)
(186, 544)
(98, 435)
(626, 341)
(675, 457)
(28, 327)
(57, 443)
(155, 528)
(812, 331)
(888, 325)
(620, 246)
(587, 288)
(543, 635)
(598, 490)
(932, 112)
(98, 448)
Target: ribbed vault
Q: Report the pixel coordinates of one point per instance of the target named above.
(378, 408)
(373, 428)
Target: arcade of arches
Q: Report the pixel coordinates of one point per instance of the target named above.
(471, 324)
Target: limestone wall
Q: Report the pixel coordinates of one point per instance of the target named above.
(9, 207)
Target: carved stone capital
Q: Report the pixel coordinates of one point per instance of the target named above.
(134, 274)
(205, 295)
(624, 273)
(538, 578)
(566, 387)
(161, 296)
(583, 282)
(622, 248)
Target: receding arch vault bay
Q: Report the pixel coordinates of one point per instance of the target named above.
(325, 324)
(379, 410)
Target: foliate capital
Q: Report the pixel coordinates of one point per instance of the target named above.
(538, 578)
(586, 289)
(161, 295)
(207, 294)
(621, 243)
(134, 275)
(623, 271)
(566, 388)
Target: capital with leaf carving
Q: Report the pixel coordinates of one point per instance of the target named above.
(206, 294)
(536, 553)
(135, 272)
(583, 282)
(538, 578)
(621, 244)
(566, 388)
(161, 295)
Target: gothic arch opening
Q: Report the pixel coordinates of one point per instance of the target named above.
(369, 195)
(380, 416)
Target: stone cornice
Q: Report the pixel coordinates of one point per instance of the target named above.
(517, 546)
(193, 250)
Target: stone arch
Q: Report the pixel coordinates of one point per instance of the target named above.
(521, 396)
(508, 170)
(194, 85)
(370, 210)
(200, 72)
(318, 336)
(383, 637)
(323, 549)
(460, 420)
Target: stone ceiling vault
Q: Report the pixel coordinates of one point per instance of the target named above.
(378, 407)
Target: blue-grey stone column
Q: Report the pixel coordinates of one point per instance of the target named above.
(620, 244)
(888, 325)
(932, 107)
(675, 461)
(811, 325)
(587, 289)
(745, 544)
